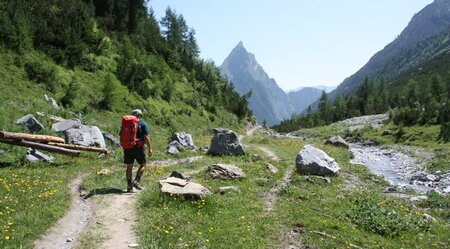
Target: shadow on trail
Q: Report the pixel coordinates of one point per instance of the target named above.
(104, 191)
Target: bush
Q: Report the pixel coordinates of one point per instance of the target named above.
(42, 72)
(375, 215)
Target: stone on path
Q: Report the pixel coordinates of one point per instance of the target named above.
(30, 122)
(313, 161)
(177, 186)
(225, 142)
(271, 168)
(337, 141)
(225, 171)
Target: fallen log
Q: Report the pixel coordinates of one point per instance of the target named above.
(80, 147)
(45, 147)
(30, 137)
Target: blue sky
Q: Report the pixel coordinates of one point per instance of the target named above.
(297, 42)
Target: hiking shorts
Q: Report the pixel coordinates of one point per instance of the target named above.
(137, 153)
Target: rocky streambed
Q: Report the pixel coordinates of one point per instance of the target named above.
(402, 167)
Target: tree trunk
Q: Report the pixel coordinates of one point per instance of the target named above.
(30, 137)
(45, 147)
(80, 147)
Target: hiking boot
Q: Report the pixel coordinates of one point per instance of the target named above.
(136, 185)
(130, 188)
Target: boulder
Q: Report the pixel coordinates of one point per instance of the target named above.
(85, 135)
(66, 124)
(313, 161)
(177, 186)
(174, 148)
(225, 142)
(30, 122)
(114, 141)
(337, 141)
(185, 140)
(271, 168)
(180, 141)
(37, 156)
(225, 171)
(172, 151)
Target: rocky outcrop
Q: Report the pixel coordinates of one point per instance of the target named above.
(225, 142)
(225, 171)
(177, 186)
(337, 141)
(313, 161)
(30, 122)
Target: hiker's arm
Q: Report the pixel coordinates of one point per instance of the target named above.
(149, 145)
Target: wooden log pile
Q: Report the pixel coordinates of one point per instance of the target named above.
(46, 143)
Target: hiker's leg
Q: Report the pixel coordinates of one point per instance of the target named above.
(141, 170)
(129, 171)
(142, 163)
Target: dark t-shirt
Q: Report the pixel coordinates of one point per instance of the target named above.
(142, 130)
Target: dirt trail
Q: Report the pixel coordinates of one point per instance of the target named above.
(65, 233)
(118, 217)
(269, 153)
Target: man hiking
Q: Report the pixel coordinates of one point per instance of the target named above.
(134, 150)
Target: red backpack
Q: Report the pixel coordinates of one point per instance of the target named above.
(128, 132)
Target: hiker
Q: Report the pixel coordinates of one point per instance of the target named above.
(136, 152)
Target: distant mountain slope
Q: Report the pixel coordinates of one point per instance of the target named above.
(426, 36)
(300, 100)
(320, 87)
(268, 101)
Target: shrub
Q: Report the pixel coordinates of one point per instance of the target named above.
(42, 72)
(375, 215)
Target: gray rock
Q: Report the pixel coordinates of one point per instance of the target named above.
(114, 141)
(225, 142)
(418, 198)
(37, 156)
(172, 150)
(85, 135)
(225, 171)
(177, 186)
(432, 178)
(447, 190)
(30, 122)
(313, 179)
(271, 168)
(313, 161)
(337, 141)
(387, 132)
(185, 140)
(66, 124)
(204, 148)
(223, 190)
(177, 174)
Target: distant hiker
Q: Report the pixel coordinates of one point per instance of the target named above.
(134, 134)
